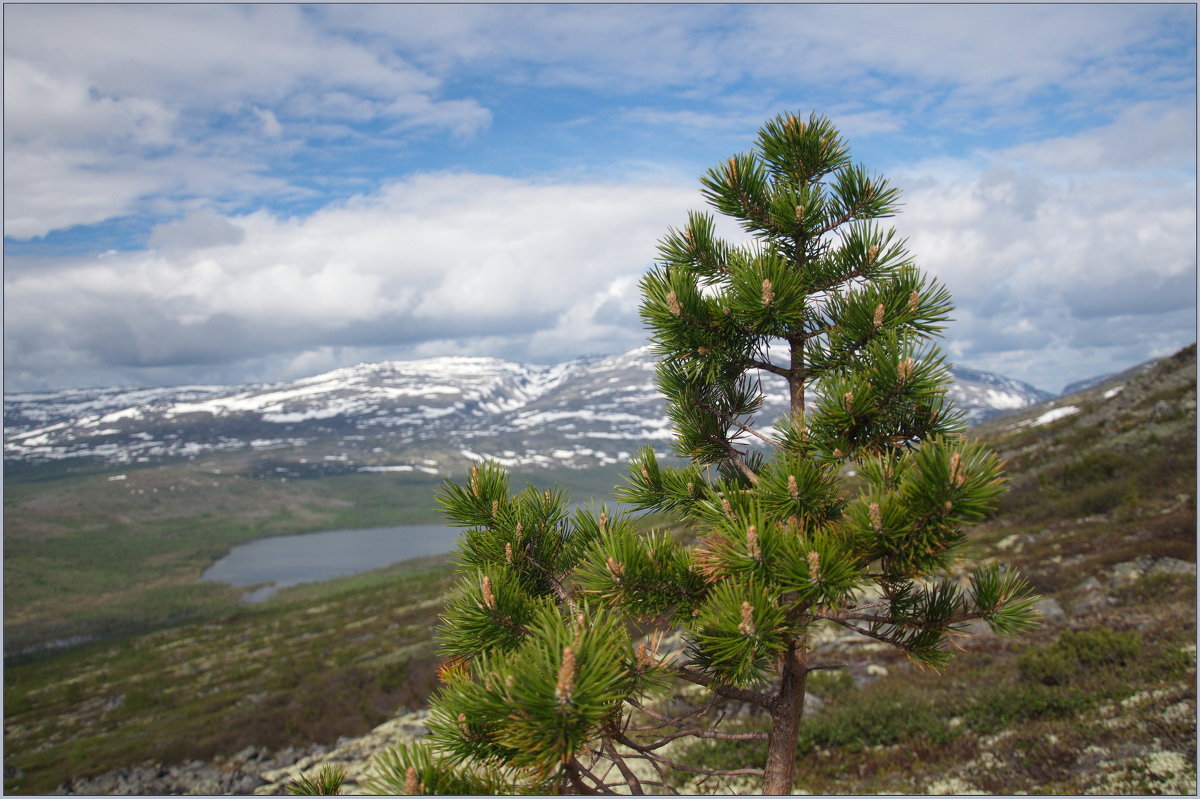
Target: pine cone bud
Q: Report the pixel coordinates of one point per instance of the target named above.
(473, 483)
(879, 315)
(876, 517)
(752, 543)
(616, 569)
(814, 566)
(508, 552)
(731, 173)
(412, 784)
(872, 253)
(727, 508)
(495, 507)
(768, 292)
(747, 625)
(489, 599)
(793, 489)
(673, 303)
(957, 478)
(913, 300)
(905, 369)
(566, 676)
(848, 401)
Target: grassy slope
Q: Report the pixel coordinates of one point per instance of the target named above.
(1104, 486)
(312, 664)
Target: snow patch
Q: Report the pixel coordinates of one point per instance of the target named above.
(1051, 415)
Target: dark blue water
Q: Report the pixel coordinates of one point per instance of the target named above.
(314, 557)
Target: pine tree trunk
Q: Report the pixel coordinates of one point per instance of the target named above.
(796, 381)
(780, 771)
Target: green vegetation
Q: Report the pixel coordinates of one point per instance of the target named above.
(1078, 652)
(1102, 703)
(915, 726)
(88, 556)
(255, 676)
(328, 782)
(546, 687)
(1138, 442)
(313, 663)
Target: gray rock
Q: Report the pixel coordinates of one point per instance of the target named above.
(1129, 572)
(1172, 566)
(1050, 609)
(1090, 596)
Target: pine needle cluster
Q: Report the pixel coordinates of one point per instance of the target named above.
(546, 689)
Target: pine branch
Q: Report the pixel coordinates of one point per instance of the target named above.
(635, 786)
(713, 734)
(576, 771)
(624, 740)
(774, 369)
(728, 419)
(741, 694)
(696, 732)
(668, 721)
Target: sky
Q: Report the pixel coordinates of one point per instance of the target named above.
(221, 194)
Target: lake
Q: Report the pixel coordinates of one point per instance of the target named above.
(314, 557)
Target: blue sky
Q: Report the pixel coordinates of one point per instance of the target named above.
(232, 193)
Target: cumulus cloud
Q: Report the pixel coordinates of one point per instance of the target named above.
(270, 149)
(1061, 270)
(196, 230)
(112, 110)
(538, 269)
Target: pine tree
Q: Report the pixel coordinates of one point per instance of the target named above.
(847, 511)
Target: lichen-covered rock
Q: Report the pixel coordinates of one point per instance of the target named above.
(354, 755)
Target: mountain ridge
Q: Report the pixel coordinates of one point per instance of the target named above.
(422, 415)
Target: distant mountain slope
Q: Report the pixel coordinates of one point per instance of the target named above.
(429, 415)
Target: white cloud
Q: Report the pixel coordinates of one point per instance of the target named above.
(1080, 213)
(270, 123)
(1062, 267)
(434, 257)
(110, 109)
(1143, 136)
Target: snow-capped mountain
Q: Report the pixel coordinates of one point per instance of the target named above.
(430, 415)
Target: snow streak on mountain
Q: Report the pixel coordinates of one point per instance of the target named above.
(431, 415)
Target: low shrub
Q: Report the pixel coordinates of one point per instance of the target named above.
(1077, 652)
(830, 684)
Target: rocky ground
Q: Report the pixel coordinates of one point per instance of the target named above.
(254, 771)
(1124, 755)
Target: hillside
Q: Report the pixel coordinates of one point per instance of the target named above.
(1100, 516)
